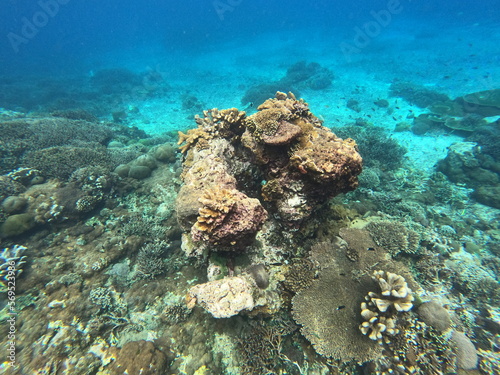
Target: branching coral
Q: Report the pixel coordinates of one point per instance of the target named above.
(379, 310)
(11, 264)
(394, 237)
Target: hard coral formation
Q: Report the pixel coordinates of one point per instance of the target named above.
(328, 308)
(301, 163)
(379, 310)
(394, 237)
(227, 217)
(12, 261)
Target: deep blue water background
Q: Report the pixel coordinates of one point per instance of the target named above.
(83, 30)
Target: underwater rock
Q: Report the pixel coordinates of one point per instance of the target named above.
(223, 298)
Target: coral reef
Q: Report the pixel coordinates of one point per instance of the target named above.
(227, 217)
(485, 103)
(379, 310)
(394, 237)
(24, 139)
(311, 165)
(301, 162)
(12, 261)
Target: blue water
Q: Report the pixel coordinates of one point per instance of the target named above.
(73, 32)
(247, 42)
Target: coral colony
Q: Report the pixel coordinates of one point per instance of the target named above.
(263, 243)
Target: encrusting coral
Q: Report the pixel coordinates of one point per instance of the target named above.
(227, 216)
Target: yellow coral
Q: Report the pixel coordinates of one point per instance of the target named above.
(191, 137)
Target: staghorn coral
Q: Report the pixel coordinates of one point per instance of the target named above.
(379, 310)
(150, 260)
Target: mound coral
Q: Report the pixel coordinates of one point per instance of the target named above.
(11, 264)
